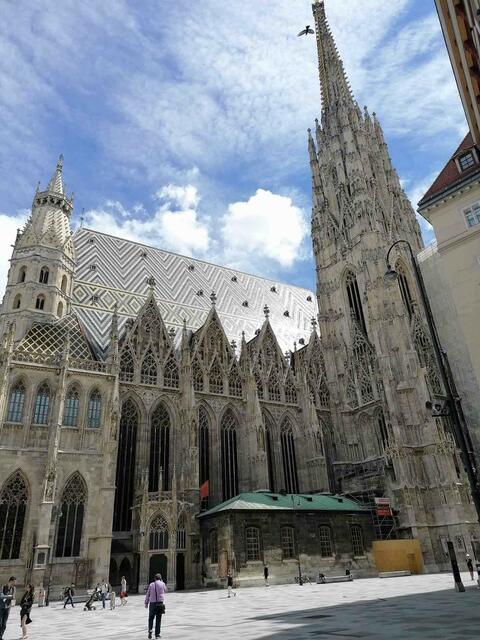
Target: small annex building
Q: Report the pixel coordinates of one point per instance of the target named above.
(330, 534)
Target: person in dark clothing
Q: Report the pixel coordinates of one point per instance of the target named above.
(265, 575)
(69, 593)
(7, 594)
(470, 565)
(26, 604)
(230, 584)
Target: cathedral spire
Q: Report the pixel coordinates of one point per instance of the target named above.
(56, 183)
(334, 85)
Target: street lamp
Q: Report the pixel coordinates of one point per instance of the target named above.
(452, 405)
(300, 581)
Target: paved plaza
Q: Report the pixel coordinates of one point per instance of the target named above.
(424, 606)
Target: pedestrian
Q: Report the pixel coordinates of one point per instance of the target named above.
(69, 593)
(26, 604)
(470, 565)
(230, 584)
(265, 575)
(112, 598)
(155, 603)
(123, 591)
(103, 593)
(7, 594)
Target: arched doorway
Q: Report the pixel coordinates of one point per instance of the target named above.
(158, 564)
(113, 573)
(125, 569)
(180, 573)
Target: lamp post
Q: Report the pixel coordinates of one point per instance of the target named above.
(453, 404)
(300, 581)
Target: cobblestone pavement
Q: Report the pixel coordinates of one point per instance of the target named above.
(413, 607)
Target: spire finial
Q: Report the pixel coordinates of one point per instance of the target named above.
(266, 311)
(213, 298)
(314, 323)
(56, 183)
(151, 283)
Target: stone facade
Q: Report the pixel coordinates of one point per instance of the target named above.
(126, 434)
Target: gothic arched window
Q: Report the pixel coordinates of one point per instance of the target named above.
(235, 383)
(171, 377)
(274, 387)
(44, 273)
(13, 506)
(229, 455)
(159, 449)
(148, 371)
(290, 392)
(127, 366)
(158, 538)
(125, 475)
(355, 301)
(215, 377)
(288, 542)
(270, 454)
(181, 535)
(356, 535)
(289, 458)
(259, 383)
(17, 301)
(40, 303)
(403, 283)
(70, 524)
(70, 411)
(22, 275)
(197, 375)
(16, 402)
(252, 544)
(94, 409)
(325, 541)
(203, 445)
(41, 410)
(382, 429)
(63, 286)
(60, 309)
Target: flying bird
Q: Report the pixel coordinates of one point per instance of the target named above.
(305, 31)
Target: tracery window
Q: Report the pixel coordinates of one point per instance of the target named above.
(325, 541)
(13, 506)
(229, 455)
(41, 410)
(290, 392)
(355, 301)
(125, 475)
(181, 536)
(356, 535)
(40, 303)
(270, 458)
(213, 546)
(197, 375)
(22, 275)
(323, 393)
(252, 544)
(274, 387)
(288, 543)
(159, 449)
(148, 371)
(170, 373)
(382, 429)
(403, 283)
(203, 445)
(426, 354)
(16, 402)
(158, 533)
(127, 366)
(94, 409)
(235, 383)
(70, 412)
(70, 524)
(44, 273)
(259, 383)
(289, 458)
(215, 377)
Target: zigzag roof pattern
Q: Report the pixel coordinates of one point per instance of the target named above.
(112, 272)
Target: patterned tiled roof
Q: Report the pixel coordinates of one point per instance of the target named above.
(113, 272)
(49, 339)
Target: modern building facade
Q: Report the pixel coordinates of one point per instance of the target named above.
(131, 377)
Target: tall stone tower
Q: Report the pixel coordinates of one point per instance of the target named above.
(379, 360)
(41, 270)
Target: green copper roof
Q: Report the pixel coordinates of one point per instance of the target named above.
(264, 500)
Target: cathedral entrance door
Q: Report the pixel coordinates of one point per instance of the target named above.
(180, 575)
(158, 564)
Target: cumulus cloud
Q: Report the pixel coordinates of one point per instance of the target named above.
(9, 226)
(266, 226)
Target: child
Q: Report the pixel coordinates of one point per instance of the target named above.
(112, 599)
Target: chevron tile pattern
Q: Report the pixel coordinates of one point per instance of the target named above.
(112, 271)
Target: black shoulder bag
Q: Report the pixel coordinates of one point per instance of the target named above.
(160, 606)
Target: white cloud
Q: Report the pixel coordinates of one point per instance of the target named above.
(265, 227)
(9, 226)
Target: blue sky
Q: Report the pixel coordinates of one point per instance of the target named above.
(183, 124)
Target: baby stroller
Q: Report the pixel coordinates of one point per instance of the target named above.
(89, 606)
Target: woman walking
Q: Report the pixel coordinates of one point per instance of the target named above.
(26, 604)
(123, 591)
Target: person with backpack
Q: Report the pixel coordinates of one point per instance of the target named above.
(26, 604)
(68, 595)
(155, 603)
(7, 594)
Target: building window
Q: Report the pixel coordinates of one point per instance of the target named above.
(273, 387)
(16, 402)
(125, 475)
(158, 533)
(170, 373)
(197, 376)
(270, 458)
(60, 309)
(252, 544)
(148, 371)
(466, 161)
(472, 214)
(127, 367)
(22, 275)
(13, 506)
(290, 392)
(63, 286)
(235, 383)
(72, 508)
(203, 445)
(325, 541)
(357, 540)
(17, 301)
(213, 546)
(382, 429)
(289, 458)
(354, 301)
(215, 377)
(41, 411)
(94, 409)
(229, 455)
(70, 413)
(403, 283)
(288, 542)
(40, 303)
(181, 536)
(259, 384)
(159, 449)
(44, 273)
